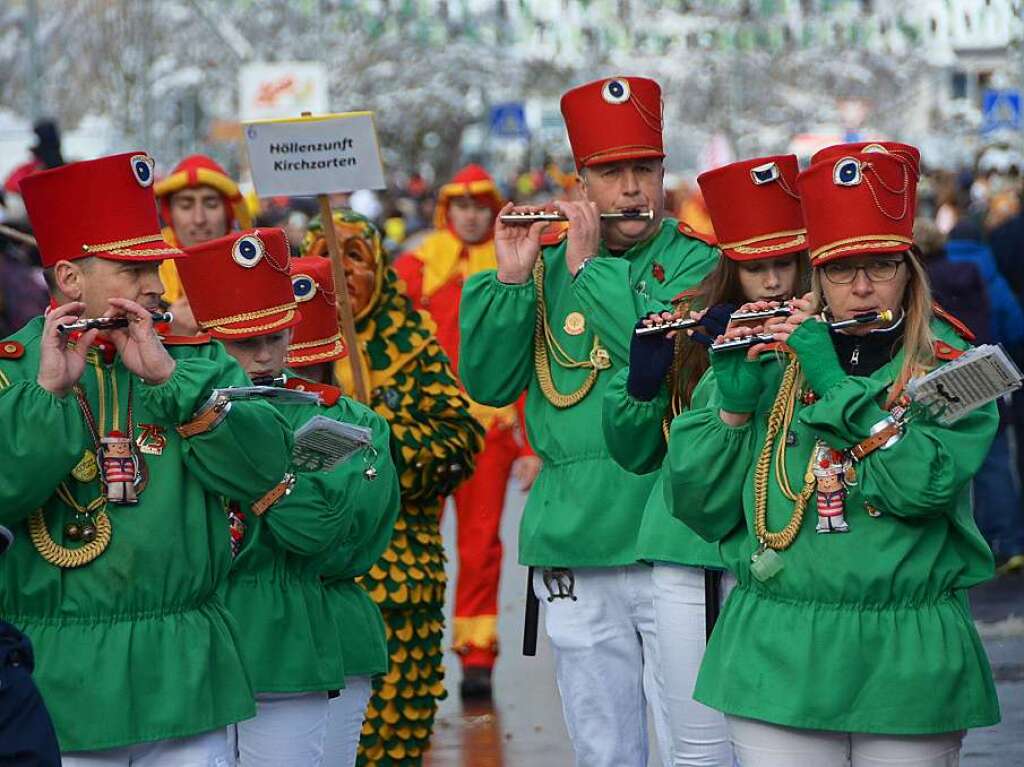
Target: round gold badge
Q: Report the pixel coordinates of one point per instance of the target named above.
(575, 323)
(86, 470)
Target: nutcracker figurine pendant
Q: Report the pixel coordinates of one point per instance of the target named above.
(831, 469)
(120, 468)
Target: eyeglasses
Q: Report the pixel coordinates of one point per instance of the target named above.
(881, 270)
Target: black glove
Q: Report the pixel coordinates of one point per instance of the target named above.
(715, 322)
(650, 358)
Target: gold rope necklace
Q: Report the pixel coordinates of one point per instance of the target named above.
(543, 337)
(780, 416)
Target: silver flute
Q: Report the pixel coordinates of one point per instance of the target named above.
(532, 218)
(656, 330)
(767, 338)
(685, 324)
(109, 323)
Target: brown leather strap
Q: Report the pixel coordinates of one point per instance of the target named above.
(875, 441)
(273, 495)
(205, 419)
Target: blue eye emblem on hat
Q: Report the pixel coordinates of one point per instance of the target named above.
(765, 174)
(847, 172)
(303, 287)
(142, 169)
(247, 251)
(615, 91)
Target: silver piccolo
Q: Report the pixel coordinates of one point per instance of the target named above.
(767, 338)
(779, 311)
(532, 218)
(680, 324)
(685, 324)
(110, 323)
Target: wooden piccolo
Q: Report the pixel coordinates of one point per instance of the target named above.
(767, 338)
(685, 324)
(110, 323)
(532, 218)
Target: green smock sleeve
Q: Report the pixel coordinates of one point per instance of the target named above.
(708, 464)
(496, 324)
(373, 507)
(923, 473)
(41, 443)
(632, 428)
(248, 452)
(604, 291)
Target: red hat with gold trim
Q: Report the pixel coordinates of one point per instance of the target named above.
(754, 207)
(858, 204)
(472, 181)
(199, 170)
(618, 118)
(910, 154)
(114, 213)
(239, 285)
(317, 338)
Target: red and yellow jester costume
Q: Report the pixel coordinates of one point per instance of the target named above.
(434, 275)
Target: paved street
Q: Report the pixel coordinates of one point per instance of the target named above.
(524, 728)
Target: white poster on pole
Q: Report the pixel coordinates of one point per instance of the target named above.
(267, 91)
(307, 156)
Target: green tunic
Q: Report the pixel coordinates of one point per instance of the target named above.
(294, 637)
(136, 645)
(865, 631)
(374, 508)
(636, 441)
(584, 510)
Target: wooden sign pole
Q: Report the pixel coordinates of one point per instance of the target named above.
(348, 323)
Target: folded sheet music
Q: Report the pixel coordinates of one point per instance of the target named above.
(978, 376)
(322, 443)
(277, 394)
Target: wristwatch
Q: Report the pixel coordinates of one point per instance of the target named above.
(582, 266)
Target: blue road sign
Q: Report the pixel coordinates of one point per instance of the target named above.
(508, 120)
(1000, 111)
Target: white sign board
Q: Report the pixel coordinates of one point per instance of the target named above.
(282, 89)
(307, 156)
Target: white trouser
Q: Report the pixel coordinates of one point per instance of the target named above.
(209, 749)
(345, 722)
(699, 737)
(760, 744)
(606, 657)
(287, 731)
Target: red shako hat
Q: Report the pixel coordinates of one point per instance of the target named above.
(102, 207)
(239, 286)
(858, 204)
(618, 118)
(910, 154)
(754, 207)
(317, 338)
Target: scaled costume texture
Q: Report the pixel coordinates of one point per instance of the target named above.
(435, 440)
(434, 274)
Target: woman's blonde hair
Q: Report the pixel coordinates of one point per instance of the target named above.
(918, 340)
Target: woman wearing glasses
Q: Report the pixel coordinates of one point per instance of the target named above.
(847, 640)
(756, 214)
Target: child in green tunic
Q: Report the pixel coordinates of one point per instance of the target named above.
(847, 639)
(289, 636)
(759, 224)
(135, 651)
